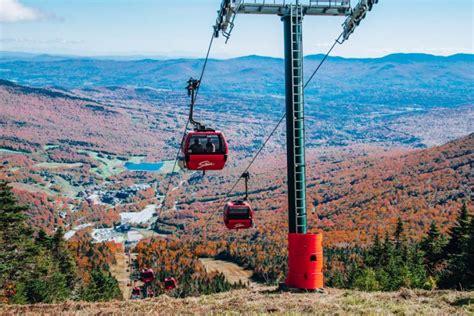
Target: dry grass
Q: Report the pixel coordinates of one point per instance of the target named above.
(231, 271)
(266, 300)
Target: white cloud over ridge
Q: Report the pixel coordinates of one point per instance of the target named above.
(12, 11)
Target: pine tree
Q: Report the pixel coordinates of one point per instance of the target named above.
(43, 239)
(459, 234)
(62, 256)
(398, 235)
(470, 258)
(375, 253)
(102, 287)
(17, 250)
(457, 252)
(432, 246)
(416, 267)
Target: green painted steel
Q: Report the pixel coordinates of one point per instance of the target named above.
(295, 120)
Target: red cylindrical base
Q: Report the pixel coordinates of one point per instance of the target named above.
(305, 261)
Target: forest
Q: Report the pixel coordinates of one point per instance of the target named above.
(39, 268)
(392, 217)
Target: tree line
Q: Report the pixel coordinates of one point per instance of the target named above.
(38, 268)
(438, 260)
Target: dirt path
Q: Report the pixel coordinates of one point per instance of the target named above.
(119, 271)
(232, 272)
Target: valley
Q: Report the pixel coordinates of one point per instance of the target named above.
(96, 159)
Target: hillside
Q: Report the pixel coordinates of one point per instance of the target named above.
(69, 145)
(355, 192)
(390, 100)
(269, 300)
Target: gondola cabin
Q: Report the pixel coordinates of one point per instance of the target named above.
(147, 275)
(170, 283)
(204, 150)
(238, 215)
(136, 292)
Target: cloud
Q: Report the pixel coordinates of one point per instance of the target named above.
(13, 11)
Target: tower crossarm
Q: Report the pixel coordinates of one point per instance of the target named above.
(230, 8)
(358, 13)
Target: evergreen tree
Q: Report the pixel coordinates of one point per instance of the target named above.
(470, 257)
(398, 235)
(102, 287)
(17, 250)
(433, 246)
(416, 267)
(375, 252)
(366, 280)
(43, 239)
(62, 256)
(457, 252)
(459, 233)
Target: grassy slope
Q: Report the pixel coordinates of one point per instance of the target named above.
(267, 300)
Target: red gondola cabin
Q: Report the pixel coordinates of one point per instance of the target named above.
(238, 215)
(147, 275)
(204, 150)
(136, 292)
(170, 283)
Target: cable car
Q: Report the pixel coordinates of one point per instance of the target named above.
(147, 275)
(170, 283)
(150, 292)
(238, 215)
(136, 292)
(204, 149)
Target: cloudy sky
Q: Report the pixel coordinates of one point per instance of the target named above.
(178, 28)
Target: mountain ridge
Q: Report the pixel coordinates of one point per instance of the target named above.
(10, 55)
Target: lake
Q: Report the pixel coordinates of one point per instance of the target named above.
(144, 166)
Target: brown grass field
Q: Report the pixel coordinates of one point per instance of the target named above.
(268, 300)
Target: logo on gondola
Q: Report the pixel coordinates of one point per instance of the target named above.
(205, 163)
(239, 225)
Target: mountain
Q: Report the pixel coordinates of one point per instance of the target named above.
(356, 192)
(435, 80)
(64, 149)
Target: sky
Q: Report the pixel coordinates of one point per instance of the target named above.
(182, 28)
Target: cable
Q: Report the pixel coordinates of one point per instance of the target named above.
(163, 203)
(322, 61)
(275, 128)
(205, 64)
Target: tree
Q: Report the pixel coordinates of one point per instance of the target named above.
(470, 257)
(375, 253)
(17, 250)
(459, 233)
(102, 287)
(366, 280)
(433, 246)
(457, 252)
(398, 235)
(62, 256)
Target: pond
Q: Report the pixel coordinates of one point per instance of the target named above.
(144, 166)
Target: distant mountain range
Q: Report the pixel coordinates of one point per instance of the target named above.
(250, 74)
(358, 99)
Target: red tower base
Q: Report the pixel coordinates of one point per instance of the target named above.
(305, 261)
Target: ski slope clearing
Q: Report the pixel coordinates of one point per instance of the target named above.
(139, 217)
(269, 300)
(232, 272)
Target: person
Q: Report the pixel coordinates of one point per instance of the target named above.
(196, 147)
(210, 147)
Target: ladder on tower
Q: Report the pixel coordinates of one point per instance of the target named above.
(296, 16)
